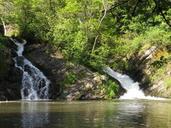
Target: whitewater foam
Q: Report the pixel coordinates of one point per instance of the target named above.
(35, 85)
(132, 88)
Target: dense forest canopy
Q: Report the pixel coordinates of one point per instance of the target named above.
(91, 32)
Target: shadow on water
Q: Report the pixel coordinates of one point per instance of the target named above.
(117, 114)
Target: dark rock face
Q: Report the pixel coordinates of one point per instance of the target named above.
(10, 86)
(52, 65)
(10, 77)
(1, 29)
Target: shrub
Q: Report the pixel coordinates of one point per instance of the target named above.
(70, 79)
(111, 88)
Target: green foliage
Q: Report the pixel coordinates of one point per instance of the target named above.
(75, 27)
(167, 82)
(94, 32)
(70, 79)
(159, 63)
(111, 89)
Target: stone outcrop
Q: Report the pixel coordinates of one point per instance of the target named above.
(88, 85)
(10, 77)
(151, 67)
(52, 65)
(68, 80)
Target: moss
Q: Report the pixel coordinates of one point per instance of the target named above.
(158, 73)
(167, 83)
(70, 79)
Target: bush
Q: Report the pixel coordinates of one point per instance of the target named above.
(70, 79)
(112, 89)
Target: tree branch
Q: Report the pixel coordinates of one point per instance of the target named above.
(116, 5)
(163, 15)
(161, 12)
(4, 26)
(101, 20)
(135, 7)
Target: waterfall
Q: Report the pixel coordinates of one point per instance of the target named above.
(132, 88)
(35, 85)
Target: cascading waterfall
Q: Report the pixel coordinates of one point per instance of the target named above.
(132, 88)
(35, 85)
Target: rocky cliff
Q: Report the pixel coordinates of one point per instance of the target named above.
(151, 67)
(10, 77)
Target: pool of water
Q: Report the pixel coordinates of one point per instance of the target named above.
(96, 114)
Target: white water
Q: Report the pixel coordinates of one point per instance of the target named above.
(132, 88)
(35, 85)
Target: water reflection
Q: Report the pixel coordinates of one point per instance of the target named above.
(34, 114)
(130, 114)
(118, 114)
(158, 115)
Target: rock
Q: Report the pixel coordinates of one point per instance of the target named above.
(148, 54)
(50, 63)
(10, 77)
(68, 80)
(151, 68)
(88, 86)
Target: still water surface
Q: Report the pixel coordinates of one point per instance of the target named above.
(97, 114)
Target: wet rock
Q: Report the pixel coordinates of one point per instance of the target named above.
(10, 77)
(50, 63)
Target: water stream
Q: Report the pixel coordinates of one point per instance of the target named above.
(132, 88)
(35, 85)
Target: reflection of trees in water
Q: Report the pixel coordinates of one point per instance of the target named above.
(127, 114)
(81, 115)
(130, 114)
(109, 115)
(34, 115)
(158, 115)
